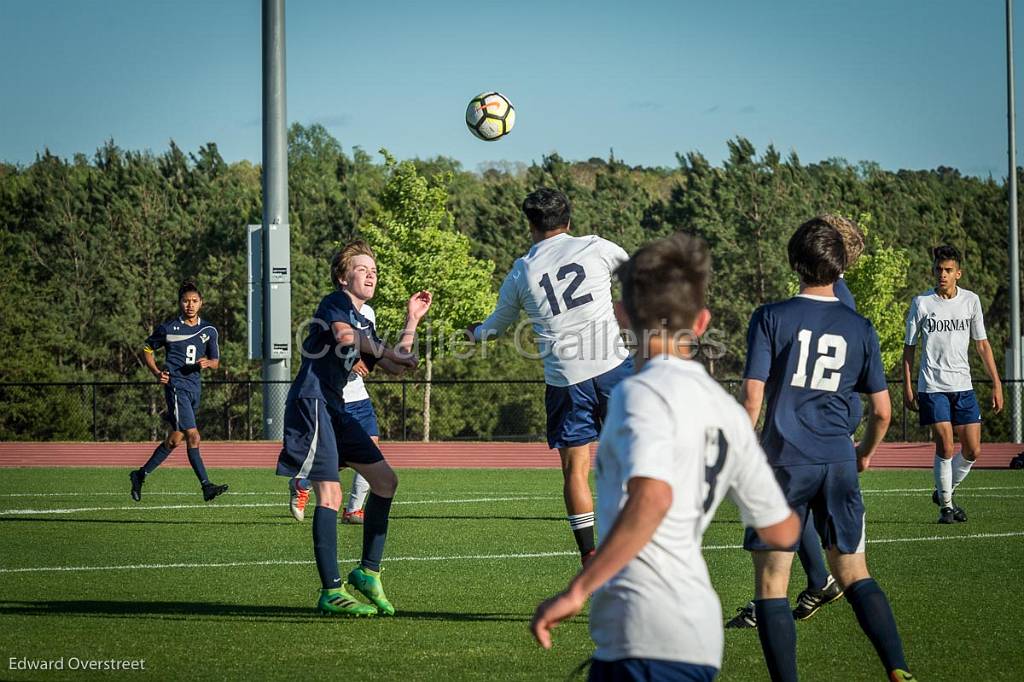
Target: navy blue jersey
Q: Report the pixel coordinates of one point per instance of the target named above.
(186, 345)
(326, 363)
(814, 355)
(843, 293)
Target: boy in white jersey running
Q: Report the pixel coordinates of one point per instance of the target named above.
(564, 285)
(673, 446)
(946, 319)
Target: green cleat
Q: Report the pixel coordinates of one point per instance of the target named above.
(368, 582)
(338, 602)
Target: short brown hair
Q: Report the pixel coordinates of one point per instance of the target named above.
(817, 252)
(343, 259)
(665, 283)
(853, 238)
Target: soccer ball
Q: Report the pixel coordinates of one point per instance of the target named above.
(490, 116)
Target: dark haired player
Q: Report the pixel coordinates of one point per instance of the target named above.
(809, 355)
(945, 319)
(191, 347)
(822, 588)
(564, 285)
(673, 446)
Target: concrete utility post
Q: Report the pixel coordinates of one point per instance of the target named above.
(277, 286)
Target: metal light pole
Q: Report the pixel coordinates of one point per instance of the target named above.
(275, 235)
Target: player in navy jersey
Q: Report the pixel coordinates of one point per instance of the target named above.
(191, 347)
(822, 587)
(320, 436)
(809, 356)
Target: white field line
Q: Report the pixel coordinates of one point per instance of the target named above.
(276, 493)
(464, 557)
(235, 505)
(267, 493)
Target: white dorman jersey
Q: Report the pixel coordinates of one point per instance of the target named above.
(946, 327)
(355, 389)
(564, 285)
(674, 423)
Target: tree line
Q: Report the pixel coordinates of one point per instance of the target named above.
(95, 247)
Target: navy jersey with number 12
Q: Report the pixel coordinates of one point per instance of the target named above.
(815, 355)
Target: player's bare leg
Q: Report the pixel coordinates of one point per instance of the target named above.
(357, 496)
(579, 502)
(872, 609)
(775, 625)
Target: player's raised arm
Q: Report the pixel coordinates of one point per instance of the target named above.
(649, 500)
(506, 311)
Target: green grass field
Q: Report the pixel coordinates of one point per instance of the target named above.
(226, 589)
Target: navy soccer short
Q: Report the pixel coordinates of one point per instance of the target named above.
(182, 406)
(832, 493)
(319, 440)
(364, 413)
(649, 670)
(959, 407)
(576, 412)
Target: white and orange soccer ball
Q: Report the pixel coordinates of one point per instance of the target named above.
(490, 116)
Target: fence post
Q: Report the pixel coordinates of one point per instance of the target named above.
(405, 432)
(903, 402)
(95, 428)
(248, 409)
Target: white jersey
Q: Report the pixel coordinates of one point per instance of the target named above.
(564, 285)
(674, 423)
(355, 389)
(946, 327)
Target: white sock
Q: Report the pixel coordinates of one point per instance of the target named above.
(356, 497)
(943, 469)
(580, 521)
(961, 467)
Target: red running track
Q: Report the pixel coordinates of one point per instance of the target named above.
(263, 454)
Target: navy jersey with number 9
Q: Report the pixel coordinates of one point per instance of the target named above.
(815, 355)
(186, 345)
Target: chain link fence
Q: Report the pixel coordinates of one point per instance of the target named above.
(442, 410)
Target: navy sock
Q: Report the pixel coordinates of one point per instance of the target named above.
(196, 461)
(156, 459)
(375, 530)
(777, 631)
(325, 546)
(876, 620)
(811, 557)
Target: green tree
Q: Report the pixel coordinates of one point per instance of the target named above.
(876, 280)
(417, 248)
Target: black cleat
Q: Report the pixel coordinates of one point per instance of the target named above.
(959, 515)
(946, 515)
(212, 490)
(137, 478)
(810, 601)
(744, 618)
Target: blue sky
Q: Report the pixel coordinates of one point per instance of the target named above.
(905, 83)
